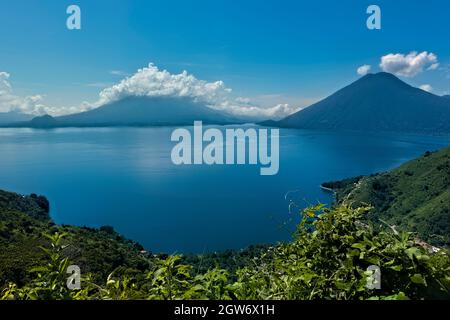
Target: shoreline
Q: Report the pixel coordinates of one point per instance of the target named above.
(327, 189)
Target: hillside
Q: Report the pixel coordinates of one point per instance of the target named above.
(376, 102)
(415, 196)
(23, 220)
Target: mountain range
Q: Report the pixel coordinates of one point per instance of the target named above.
(376, 102)
(13, 116)
(138, 111)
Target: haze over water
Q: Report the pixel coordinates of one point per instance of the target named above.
(124, 177)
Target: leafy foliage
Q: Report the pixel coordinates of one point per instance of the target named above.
(327, 259)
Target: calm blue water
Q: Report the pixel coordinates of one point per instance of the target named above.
(124, 177)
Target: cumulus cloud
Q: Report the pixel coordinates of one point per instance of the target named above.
(153, 82)
(11, 102)
(409, 65)
(33, 104)
(426, 87)
(64, 110)
(5, 87)
(276, 112)
(363, 70)
(434, 66)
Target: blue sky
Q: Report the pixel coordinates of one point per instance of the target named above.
(270, 51)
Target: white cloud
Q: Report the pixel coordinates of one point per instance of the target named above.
(243, 100)
(11, 102)
(59, 111)
(434, 66)
(363, 70)
(33, 104)
(152, 82)
(118, 73)
(409, 65)
(255, 112)
(426, 87)
(5, 87)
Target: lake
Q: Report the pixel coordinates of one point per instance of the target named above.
(124, 177)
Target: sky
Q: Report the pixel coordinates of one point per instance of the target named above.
(274, 55)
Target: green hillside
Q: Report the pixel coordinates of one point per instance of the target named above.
(23, 220)
(415, 196)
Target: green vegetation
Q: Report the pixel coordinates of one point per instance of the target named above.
(327, 259)
(231, 260)
(413, 197)
(23, 220)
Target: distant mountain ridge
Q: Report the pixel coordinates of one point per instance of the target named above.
(148, 111)
(375, 102)
(138, 111)
(378, 102)
(14, 116)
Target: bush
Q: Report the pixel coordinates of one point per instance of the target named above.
(328, 259)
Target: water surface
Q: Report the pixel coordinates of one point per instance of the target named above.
(124, 177)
